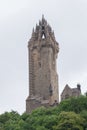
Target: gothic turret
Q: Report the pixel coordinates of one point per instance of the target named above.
(43, 78)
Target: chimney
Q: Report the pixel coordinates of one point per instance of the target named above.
(78, 86)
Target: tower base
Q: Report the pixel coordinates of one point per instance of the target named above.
(35, 102)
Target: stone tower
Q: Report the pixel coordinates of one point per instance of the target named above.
(43, 78)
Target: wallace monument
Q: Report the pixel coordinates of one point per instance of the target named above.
(43, 79)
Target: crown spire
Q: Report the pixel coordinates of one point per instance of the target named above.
(43, 29)
(42, 16)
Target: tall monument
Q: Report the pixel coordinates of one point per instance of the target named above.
(43, 79)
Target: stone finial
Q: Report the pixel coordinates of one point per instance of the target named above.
(49, 28)
(39, 22)
(42, 16)
(44, 22)
(33, 30)
(33, 34)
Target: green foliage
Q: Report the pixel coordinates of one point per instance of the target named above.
(76, 104)
(69, 121)
(84, 115)
(70, 114)
(41, 118)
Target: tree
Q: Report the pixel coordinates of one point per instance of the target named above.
(69, 121)
(76, 104)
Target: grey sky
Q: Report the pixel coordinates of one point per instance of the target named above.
(68, 19)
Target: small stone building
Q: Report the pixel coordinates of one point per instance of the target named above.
(71, 92)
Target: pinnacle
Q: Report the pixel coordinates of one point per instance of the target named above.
(43, 29)
(42, 16)
(43, 20)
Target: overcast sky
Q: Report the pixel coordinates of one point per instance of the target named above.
(68, 19)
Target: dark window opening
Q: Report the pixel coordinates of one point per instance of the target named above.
(50, 90)
(39, 64)
(42, 27)
(55, 101)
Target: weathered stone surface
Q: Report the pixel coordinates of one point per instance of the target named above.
(70, 92)
(43, 78)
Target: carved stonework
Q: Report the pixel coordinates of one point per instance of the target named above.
(43, 78)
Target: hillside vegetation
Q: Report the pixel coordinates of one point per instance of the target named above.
(70, 114)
